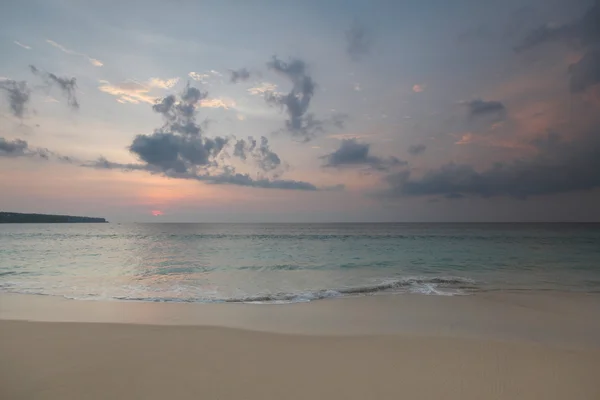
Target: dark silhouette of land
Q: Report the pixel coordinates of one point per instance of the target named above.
(19, 218)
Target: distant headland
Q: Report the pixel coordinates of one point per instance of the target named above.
(20, 218)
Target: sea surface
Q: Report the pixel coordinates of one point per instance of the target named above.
(283, 263)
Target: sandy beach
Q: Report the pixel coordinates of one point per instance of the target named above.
(506, 346)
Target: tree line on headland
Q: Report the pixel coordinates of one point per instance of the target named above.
(20, 218)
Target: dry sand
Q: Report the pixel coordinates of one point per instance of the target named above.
(82, 360)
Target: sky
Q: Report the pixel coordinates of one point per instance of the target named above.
(311, 111)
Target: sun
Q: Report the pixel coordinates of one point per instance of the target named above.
(157, 213)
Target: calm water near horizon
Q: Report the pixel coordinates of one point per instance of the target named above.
(293, 262)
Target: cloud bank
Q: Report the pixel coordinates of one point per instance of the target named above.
(559, 166)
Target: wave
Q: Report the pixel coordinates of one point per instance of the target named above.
(413, 285)
(442, 286)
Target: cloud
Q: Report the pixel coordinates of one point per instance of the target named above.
(246, 180)
(128, 92)
(546, 33)
(22, 45)
(300, 124)
(559, 166)
(418, 88)
(93, 61)
(583, 32)
(262, 88)
(466, 138)
(265, 158)
(18, 94)
(135, 92)
(20, 148)
(586, 72)
(180, 149)
(162, 83)
(358, 41)
(181, 154)
(354, 153)
(179, 146)
(227, 177)
(479, 107)
(417, 149)
(199, 77)
(241, 74)
(15, 147)
(224, 103)
(68, 86)
(205, 77)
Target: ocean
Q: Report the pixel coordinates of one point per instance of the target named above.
(287, 263)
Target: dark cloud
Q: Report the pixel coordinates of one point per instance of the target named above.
(480, 107)
(164, 106)
(181, 154)
(17, 94)
(179, 149)
(228, 177)
(358, 41)
(241, 74)
(179, 146)
(180, 116)
(586, 72)
(546, 33)
(246, 180)
(14, 147)
(559, 166)
(353, 153)
(300, 123)
(243, 147)
(103, 163)
(68, 86)
(20, 148)
(265, 158)
(417, 149)
(584, 33)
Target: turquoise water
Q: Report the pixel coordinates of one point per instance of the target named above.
(294, 262)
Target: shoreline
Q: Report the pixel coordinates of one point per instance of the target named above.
(566, 319)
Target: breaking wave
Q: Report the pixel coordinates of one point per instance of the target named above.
(441, 286)
(444, 286)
